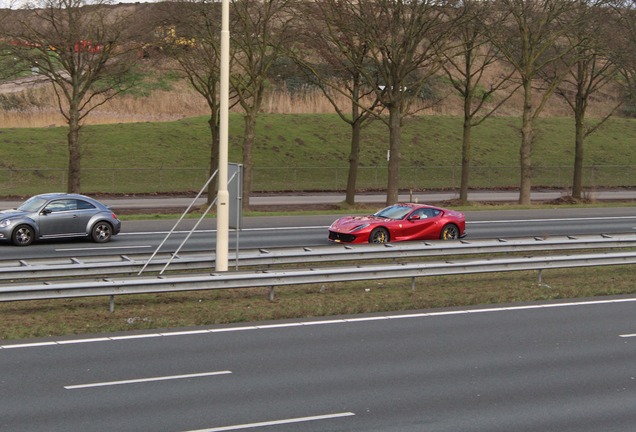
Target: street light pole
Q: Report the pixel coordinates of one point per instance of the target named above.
(223, 196)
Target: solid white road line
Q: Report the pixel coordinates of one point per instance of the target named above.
(275, 422)
(572, 219)
(144, 380)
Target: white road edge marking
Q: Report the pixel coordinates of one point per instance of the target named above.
(207, 231)
(144, 380)
(573, 219)
(275, 422)
(317, 322)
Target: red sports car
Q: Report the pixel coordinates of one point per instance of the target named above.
(400, 222)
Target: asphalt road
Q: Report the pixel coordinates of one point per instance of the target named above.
(289, 231)
(556, 367)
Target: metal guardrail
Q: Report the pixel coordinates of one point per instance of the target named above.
(163, 284)
(109, 266)
(273, 278)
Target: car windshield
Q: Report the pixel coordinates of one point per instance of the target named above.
(394, 212)
(32, 204)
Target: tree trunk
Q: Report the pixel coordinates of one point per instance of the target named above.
(579, 138)
(577, 181)
(248, 144)
(354, 162)
(525, 152)
(74, 154)
(393, 182)
(466, 144)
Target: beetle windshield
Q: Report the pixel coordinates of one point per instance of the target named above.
(32, 204)
(394, 212)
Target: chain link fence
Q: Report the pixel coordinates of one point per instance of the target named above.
(24, 182)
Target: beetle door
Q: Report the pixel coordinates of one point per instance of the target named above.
(61, 218)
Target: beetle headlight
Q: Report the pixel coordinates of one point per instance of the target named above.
(5, 223)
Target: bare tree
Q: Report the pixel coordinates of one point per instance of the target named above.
(466, 67)
(334, 56)
(405, 40)
(526, 32)
(584, 72)
(84, 49)
(259, 34)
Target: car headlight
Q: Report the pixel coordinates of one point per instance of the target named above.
(5, 223)
(359, 227)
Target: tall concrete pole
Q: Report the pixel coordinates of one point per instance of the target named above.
(223, 196)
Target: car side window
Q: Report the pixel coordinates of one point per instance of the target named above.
(84, 205)
(61, 205)
(431, 212)
(419, 214)
(425, 213)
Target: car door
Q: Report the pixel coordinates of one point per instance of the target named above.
(418, 224)
(60, 218)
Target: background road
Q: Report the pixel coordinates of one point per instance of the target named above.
(281, 199)
(525, 368)
(145, 236)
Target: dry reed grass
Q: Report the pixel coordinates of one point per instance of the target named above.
(36, 106)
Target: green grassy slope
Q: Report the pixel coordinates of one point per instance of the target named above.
(310, 152)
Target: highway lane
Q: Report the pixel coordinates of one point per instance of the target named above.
(284, 231)
(552, 367)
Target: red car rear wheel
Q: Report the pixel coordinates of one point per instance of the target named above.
(449, 232)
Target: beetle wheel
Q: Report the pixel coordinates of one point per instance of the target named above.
(23, 235)
(449, 232)
(102, 232)
(379, 235)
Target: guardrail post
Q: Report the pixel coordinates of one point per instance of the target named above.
(111, 306)
(413, 284)
(271, 293)
(540, 279)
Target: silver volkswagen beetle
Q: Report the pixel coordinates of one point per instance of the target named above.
(58, 215)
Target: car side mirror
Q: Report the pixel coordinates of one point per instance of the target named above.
(45, 212)
(415, 217)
